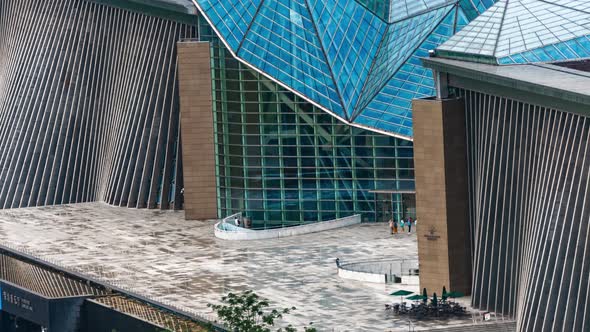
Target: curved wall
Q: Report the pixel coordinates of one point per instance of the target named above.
(88, 105)
(227, 231)
(529, 184)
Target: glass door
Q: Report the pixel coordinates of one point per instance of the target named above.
(383, 207)
(404, 206)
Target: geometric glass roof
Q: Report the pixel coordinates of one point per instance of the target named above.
(355, 59)
(524, 31)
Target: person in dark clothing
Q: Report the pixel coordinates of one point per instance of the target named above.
(409, 224)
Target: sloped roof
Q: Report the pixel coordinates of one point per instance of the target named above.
(403, 9)
(524, 31)
(343, 55)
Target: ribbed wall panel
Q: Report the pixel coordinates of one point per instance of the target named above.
(88, 105)
(42, 281)
(528, 184)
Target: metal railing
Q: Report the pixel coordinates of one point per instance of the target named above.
(129, 284)
(393, 268)
(264, 226)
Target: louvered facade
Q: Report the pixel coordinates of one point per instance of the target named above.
(529, 181)
(89, 104)
(527, 133)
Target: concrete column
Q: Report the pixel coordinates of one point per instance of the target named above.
(196, 125)
(440, 161)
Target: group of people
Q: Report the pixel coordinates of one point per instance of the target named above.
(244, 222)
(403, 224)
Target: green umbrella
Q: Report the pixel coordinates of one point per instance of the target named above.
(454, 295)
(416, 298)
(401, 293)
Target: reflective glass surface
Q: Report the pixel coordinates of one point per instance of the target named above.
(400, 41)
(231, 17)
(392, 108)
(351, 36)
(474, 8)
(282, 161)
(525, 31)
(339, 54)
(480, 36)
(377, 7)
(403, 9)
(282, 41)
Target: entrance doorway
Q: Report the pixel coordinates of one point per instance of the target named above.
(396, 204)
(383, 207)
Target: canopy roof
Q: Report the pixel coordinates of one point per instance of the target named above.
(524, 31)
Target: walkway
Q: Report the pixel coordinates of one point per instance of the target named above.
(163, 257)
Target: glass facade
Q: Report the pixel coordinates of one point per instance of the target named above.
(289, 65)
(283, 161)
(390, 106)
(524, 32)
(378, 7)
(349, 57)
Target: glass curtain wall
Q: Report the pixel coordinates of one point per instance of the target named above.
(282, 161)
(379, 7)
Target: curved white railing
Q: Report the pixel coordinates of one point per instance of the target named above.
(404, 271)
(226, 230)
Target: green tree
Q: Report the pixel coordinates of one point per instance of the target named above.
(248, 312)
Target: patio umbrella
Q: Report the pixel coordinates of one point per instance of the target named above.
(401, 293)
(416, 298)
(454, 295)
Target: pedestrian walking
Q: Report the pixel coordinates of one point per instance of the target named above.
(402, 225)
(391, 224)
(409, 224)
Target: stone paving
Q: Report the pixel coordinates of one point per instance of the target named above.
(180, 263)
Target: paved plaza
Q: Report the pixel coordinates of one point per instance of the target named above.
(180, 263)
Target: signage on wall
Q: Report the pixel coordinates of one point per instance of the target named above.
(23, 303)
(431, 235)
(17, 301)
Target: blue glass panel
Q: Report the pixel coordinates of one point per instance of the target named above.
(473, 8)
(506, 61)
(403, 9)
(230, 17)
(585, 43)
(530, 57)
(341, 56)
(554, 53)
(462, 20)
(518, 58)
(391, 109)
(576, 48)
(351, 35)
(569, 50)
(282, 42)
(401, 40)
(541, 55)
(378, 7)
